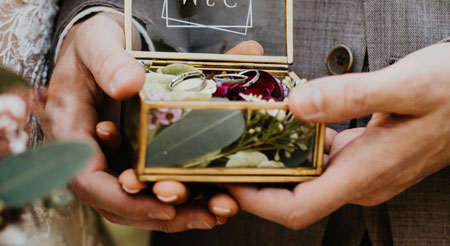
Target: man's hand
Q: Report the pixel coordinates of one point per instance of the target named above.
(92, 69)
(407, 139)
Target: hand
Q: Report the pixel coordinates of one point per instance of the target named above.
(407, 139)
(91, 70)
(221, 205)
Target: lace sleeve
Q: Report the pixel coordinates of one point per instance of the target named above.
(25, 32)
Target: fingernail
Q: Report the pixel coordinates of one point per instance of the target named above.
(119, 78)
(130, 191)
(198, 224)
(106, 135)
(167, 199)
(221, 211)
(309, 101)
(159, 216)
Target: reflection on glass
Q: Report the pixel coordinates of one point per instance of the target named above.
(214, 26)
(218, 137)
(228, 138)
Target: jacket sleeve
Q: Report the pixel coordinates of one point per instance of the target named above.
(71, 11)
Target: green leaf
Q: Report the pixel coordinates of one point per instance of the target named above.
(200, 132)
(178, 68)
(271, 164)
(8, 79)
(299, 157)
(247, 158)
(35, 173)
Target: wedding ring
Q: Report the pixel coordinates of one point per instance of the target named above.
(254, 80)
(230, 78)
(182, 78)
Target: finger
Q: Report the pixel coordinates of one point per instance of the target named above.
(340, 141)
(343, 138)
(345, 180)
(110, 139)
(130, 182)
(109, 135)
(101, 190)
(221, 220)
(100, 46)
(338, 98)
(187, 218)
(247, 48)
(223, 205)
(330, 134)
(171, 192)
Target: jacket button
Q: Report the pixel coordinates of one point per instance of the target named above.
(340, 60)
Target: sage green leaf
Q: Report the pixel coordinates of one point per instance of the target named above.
(189, 96)
(200, 132)
(159, 83)
(271, 164)
(35, 173)
(300, 157)
(204, 160)
(247, 158)
(178, 68)
(8, 79)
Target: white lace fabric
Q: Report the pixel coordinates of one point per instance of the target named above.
(25, 39)
(25, 32)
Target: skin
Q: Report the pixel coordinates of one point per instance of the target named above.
(407, 140)
(91, 74)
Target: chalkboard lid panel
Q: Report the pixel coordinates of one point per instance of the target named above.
(275, 53)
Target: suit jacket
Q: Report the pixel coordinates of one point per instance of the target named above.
(382, 32)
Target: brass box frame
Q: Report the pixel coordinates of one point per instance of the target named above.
(277, 65)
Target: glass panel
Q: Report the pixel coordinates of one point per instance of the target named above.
(220, 137)
(228, 138)
(214, 26)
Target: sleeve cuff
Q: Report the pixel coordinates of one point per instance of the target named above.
(92, 10)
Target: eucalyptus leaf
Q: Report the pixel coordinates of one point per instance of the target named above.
(8, 79)
(178, 68)
(247, 158)
(35, 173)
(200, 132)
(271, 164)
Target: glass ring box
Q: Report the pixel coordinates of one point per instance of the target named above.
(207, 116)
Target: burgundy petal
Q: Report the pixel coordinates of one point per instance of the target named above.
(221, 91)
(267, 80)
(278, 91)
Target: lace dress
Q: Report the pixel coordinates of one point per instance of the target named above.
(25, 32)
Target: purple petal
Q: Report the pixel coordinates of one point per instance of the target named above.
(175, 115)
(162, 118)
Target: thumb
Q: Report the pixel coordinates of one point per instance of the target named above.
(250, 47)
(100, 47)
(343, 97)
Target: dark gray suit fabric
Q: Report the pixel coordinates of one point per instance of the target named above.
(387, 31)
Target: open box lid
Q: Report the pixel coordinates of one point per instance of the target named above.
(202, 30)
